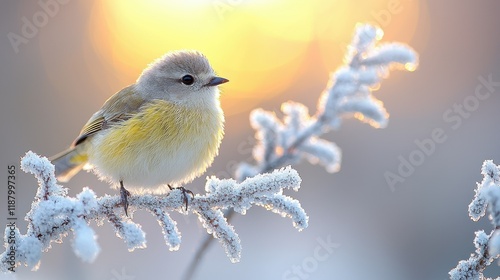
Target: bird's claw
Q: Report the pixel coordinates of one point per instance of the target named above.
(184, 192)
(124, 193)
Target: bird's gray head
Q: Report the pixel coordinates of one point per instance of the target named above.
(181, 76)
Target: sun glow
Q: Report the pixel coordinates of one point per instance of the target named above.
(260, 46)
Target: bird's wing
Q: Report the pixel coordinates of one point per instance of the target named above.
(118, 108)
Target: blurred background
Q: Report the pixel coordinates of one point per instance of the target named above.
(60, 60)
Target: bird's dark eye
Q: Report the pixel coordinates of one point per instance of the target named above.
(187, 80)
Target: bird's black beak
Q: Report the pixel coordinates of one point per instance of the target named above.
(215, 81)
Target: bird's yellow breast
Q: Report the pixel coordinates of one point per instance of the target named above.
(163, 143)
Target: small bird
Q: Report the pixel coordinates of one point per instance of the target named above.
(163, 130)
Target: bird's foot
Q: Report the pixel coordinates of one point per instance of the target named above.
(184, 192)
(124, 195)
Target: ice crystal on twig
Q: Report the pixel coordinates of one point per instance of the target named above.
(349, 92)
(54, 214)
(486, 198)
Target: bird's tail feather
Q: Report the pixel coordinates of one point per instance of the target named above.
(68, 163)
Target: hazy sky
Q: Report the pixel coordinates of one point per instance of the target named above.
(65, 59)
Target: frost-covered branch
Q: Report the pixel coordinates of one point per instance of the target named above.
(54, 214)
(348, 93)
(487, 197)
(287, 141)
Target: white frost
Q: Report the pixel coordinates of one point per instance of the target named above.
(133, 235)
(486, 198)
(54, 214)
(348, 93)
(85, 242)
